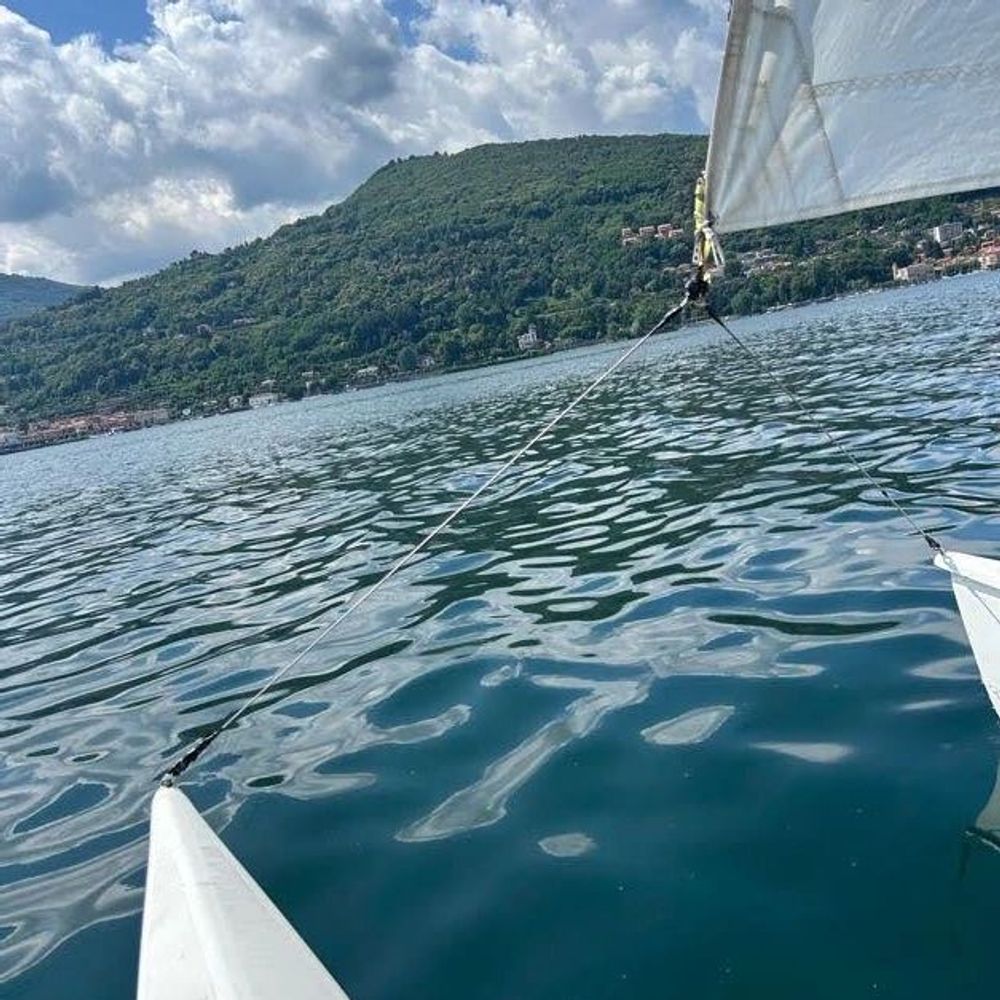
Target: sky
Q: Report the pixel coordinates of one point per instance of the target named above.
(135, 131)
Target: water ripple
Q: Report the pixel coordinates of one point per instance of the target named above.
(684, 555)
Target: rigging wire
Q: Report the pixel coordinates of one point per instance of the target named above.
(198, 748)
(943, 556)
(784, 387)
(695, 292)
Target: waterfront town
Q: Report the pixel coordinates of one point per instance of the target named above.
(947, 248)
(39, 433)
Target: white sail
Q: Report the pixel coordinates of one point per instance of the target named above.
(976, 582)
(208, 930)
(831, 105)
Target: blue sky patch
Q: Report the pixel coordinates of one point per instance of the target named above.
(115, 21)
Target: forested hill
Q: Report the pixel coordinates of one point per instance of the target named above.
(21, 296)
(443, 257)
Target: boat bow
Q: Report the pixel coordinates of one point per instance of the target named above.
(976, 582)
(209, 932)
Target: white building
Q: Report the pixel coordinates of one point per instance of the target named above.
(528, 341)
(947, 232)
(919, 271)
(764, 261)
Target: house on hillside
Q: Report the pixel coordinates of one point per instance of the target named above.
(149, 418)
(529, 341)
(912, 273)
(989, 256)
(765, 261)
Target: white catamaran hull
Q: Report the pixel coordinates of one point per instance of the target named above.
(976, 582)
(208, 931)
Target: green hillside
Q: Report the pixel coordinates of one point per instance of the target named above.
(447, 257)
(21, 296)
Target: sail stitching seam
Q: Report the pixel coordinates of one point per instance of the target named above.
(903, 188)
(804, 67)
(986, 72)
(806, 75)
(779, 140)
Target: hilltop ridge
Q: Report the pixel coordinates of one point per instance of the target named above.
(21, 295)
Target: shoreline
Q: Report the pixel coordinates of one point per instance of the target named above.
(72, 436)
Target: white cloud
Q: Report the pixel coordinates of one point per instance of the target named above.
(235, 115)
(136, 230)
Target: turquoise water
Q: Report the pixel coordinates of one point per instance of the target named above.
(681, 711)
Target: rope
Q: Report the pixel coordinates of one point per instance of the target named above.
(784, 387)
(190, 756)
(934, 545)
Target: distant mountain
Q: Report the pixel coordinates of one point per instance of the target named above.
(438, 257)
(22, 296)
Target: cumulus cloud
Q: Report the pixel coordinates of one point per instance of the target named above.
(236, 115)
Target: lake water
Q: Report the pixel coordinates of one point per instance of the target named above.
(681, 710)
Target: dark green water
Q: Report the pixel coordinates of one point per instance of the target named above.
(682, 711)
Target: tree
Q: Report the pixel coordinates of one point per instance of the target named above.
(451, 351)
(407, 359)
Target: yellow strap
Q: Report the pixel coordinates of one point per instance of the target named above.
(704, 250)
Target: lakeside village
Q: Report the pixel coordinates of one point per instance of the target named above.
(949, 248)
(112, 419)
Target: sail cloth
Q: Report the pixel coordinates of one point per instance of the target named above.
(976, 582)
(208, 930)
(831, 105)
